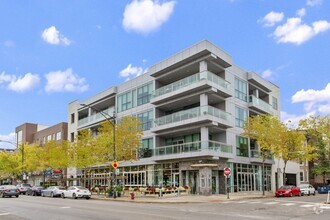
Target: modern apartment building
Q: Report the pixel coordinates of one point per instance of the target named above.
(192, 106)
(35, 133)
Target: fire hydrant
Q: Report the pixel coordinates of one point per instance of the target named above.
(132, 195)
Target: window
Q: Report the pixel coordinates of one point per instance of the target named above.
(49, 137)
(275, 105)
(125, 101)
(301, 176)
(72, 137)
(240, 116)
(72, 118)
(144, 94)
(240, 89)
(146, 119)
(19, 137)
(58, 135)
(242, 148)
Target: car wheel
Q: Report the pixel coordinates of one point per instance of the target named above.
(290, 194)
(16, 196)
(34, 194)
(74, 196)
(88, 198)
(52, 194)
(309, 193)
(62, 195)
(314, 193)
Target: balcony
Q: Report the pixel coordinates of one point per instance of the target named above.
(193, 116)
(256, 156)
(98, 117)
(191, 84)
(260, 105)
(193, 149)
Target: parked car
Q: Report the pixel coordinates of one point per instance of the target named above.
(288, 191)
(9, 191)
(34, 191)
(23, 188)
(307, 189)
(52, 191)
(76, 192)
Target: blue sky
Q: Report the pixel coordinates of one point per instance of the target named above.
(55, 51)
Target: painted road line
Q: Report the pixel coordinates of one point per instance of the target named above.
(6, 213)
(288, 204)
(271, 203)
(307, 206)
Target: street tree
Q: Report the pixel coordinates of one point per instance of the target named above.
(266, 130)
(10, 164)
(317, 130)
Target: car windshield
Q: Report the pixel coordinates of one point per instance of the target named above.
(285, 187)
(26, 185)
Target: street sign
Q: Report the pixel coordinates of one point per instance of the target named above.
(115, 164)
(226, 172)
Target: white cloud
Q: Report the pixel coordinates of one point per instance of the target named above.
(131, 71)
(52, 36)
(267, 74)
(314, 100)
(65, 81)
(294, 31)
(294, 119)
(301, 12)
(5, 77)
(314, 2)
(145, 16)
(25, 83)
(272, 18)
(8, 137)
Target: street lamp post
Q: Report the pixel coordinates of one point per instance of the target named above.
(113, 124)
(22, 150)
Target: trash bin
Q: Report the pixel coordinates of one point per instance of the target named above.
(323, 189)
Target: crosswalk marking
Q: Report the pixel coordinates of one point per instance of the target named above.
(307, 205)
(271, 203)
(288, 204)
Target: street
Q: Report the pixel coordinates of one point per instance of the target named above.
(28, 207)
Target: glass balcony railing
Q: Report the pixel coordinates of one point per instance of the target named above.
(191, 80)
(192, 113)
(257, 154)
(192, 147)
(95, 117)
(259, 103)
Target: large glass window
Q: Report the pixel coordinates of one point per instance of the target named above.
(275, 104)
(58, 136)
(146, 119)
(242, 148)
(240, 89)
(240, 116)
(124, 101)
(144, 94)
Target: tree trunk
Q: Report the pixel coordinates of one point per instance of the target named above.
(284, 173)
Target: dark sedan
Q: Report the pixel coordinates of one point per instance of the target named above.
(34, 191)
(9, 191)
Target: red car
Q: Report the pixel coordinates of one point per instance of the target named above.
(288, 191)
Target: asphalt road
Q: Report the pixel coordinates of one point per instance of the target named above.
(35, 208)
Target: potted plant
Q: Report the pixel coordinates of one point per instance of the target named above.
(109, 192)
(119, 189)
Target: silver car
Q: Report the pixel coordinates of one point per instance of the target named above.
(9, 191)
(52, 191)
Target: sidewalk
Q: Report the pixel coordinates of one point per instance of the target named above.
(185, 198)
